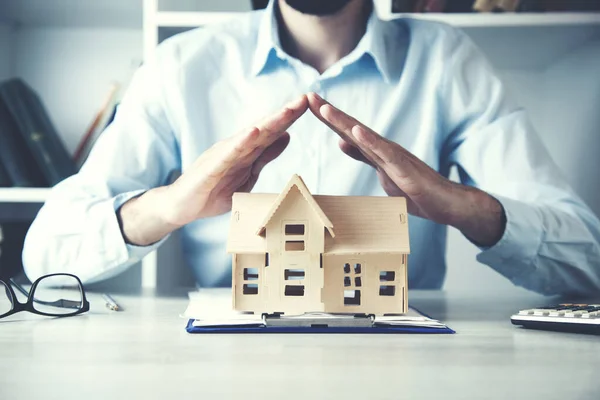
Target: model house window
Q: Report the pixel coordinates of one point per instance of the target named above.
(293, 274)
(294, 245)
(387, 276)
(387, 290)
(250, 274)
(294, 236)
(294, 229)
(352, 297)
(250, 288)
(294, 290)
(352, 283)
(250, 285)
(386, 283)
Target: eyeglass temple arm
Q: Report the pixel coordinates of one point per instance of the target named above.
(19, 288)
(58, 303)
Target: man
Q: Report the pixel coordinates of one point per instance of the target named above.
(408, 99)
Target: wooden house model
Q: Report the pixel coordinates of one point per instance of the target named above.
(295, 252)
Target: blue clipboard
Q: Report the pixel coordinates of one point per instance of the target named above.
(190, 328)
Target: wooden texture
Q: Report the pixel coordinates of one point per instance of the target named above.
(360, 223)
(295, 232)
(295, 210)
(144, 352)
(296, 183)
(341, 276)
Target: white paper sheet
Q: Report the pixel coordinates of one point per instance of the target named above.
(213, 307)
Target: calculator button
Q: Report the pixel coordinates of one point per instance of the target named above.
(557, 313)
(540, 312)
(526, 312)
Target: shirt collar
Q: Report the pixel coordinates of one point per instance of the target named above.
(267, 40)
(372, 43)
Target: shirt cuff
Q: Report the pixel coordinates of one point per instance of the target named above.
(134, 253)
(514, 253)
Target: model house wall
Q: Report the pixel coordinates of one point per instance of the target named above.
(296, 253)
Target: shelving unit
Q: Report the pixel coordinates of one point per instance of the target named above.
(23, 195)
(550, 64)
(468, 20)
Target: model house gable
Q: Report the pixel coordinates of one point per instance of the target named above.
(290, 193)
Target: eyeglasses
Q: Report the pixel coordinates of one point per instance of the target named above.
(55, 295)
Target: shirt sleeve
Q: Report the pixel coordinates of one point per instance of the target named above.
(77, 231)
(551, 241)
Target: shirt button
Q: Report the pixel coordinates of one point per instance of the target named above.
(316, 86)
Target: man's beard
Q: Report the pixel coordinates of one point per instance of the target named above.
(318, 7)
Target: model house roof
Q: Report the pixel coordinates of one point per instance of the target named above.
(297, 182)
(361, 224)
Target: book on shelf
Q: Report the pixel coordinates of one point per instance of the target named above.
(530, 6)
(33, 126)
(536, 5)
(496, 6)
(570, 5)
(4, 178)
(429, 6)
(507, 5)
(459, 6)
(259, 4)
(20, 168)
(98, 124)
(12, 238)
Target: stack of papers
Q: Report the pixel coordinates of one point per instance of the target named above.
(213, 308)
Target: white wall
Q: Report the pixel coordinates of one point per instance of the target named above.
(72, 68)
(563, 102)
(572, 128)
(5, 51)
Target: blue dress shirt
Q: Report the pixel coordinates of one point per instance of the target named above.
(422, 84)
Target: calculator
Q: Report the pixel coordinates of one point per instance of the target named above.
(578, 318)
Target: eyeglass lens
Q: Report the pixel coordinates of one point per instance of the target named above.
(58, 295)
(6, 300)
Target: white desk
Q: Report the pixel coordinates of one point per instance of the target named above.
(144, 352)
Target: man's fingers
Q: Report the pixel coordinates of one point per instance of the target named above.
(337, 120)
(217, 164)
(395, 159)
(244, 148)
(270, 153)
(372, 142)
(342, 124)
(273, 151)
(354, 152)
(380, 152)
(248, 147)
(274, 126)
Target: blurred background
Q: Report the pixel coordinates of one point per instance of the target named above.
(79, 55)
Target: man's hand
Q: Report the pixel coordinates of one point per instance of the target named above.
(207, 187)
(429, 195)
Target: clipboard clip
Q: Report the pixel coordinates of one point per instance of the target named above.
(319, 320)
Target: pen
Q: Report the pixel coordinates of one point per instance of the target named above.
(111, 303)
